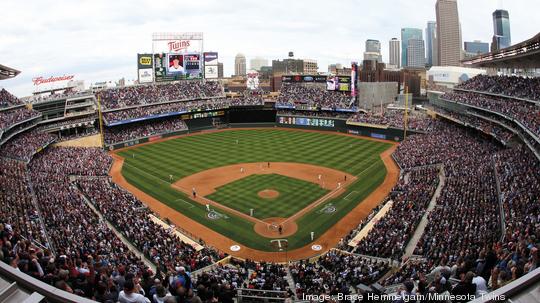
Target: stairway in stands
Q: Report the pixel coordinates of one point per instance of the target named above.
(10, 292)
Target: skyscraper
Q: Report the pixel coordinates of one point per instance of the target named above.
(416, 53)
(394, 58)
(373, 50)
(501, 29)
(476, 47)
(448, 33)
(406, 35)
(240, 65)
(430, 36)
(257, 63)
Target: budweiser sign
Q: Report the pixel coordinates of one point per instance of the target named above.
(42, 80)
(175, 46)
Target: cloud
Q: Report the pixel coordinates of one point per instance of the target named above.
(98, 40)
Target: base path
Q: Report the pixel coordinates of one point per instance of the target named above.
(322, 244)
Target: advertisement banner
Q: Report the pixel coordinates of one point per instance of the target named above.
(211, 72)
(210, 58)
(145, 75)
(144, 61)
(210, 65)
(354, 68)
(303, 79)
(178, 46)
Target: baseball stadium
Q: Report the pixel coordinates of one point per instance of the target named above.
(298, 187)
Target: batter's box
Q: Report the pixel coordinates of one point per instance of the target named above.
(348, 196)
(189, 205)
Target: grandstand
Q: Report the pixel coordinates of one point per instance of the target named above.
(463, 214)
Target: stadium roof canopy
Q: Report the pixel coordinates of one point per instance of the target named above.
(525, 54)
(7, 72)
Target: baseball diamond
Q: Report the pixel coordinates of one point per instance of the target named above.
(227, 170)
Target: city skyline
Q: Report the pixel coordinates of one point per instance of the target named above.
(104, 47)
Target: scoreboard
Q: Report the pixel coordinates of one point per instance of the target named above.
(301, 121)
(170, 67)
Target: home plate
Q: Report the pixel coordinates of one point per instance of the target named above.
(316, 247)
(235, 248)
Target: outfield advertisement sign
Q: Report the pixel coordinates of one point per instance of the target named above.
(302, 79)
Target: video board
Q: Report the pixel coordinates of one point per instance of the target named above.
(170, 67)
(339, 83)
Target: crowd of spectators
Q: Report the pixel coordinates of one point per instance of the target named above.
(466, 216)
(513, 86)
(343, 244)
(24, 145)
(525, 112)
(142, 129)
(314, 95)
(160, 245)
(486, 126)
(334, 273)
(90, 260)
(519, 175)
(395, 118)
(411, 197)
(158, 92)
(185, 106)
(10, 117)
(18, 214)
(55, 125)
(7, 99)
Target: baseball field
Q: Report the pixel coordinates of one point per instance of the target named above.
(250, 186)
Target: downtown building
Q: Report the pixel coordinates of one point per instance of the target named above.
(240, 65)
(501, 30)
(414, 35)
(431, 43)
(394, 60)
(448, 33)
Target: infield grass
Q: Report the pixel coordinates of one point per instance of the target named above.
(242, 195)
(148, 167)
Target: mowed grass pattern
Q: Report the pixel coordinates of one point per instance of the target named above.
(242, 195)
(148, 167)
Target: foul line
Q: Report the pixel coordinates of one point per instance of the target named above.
(190, 205)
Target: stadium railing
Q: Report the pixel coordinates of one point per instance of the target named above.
(245, 295)
(51, 294)
(520, 287)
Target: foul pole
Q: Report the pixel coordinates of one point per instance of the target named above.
(406, 114)
(100, 121)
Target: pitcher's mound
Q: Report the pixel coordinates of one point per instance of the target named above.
(268, 194)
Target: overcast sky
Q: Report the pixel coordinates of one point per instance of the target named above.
(98, 40)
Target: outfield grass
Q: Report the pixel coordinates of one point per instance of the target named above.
(242, 195)
(148, 167)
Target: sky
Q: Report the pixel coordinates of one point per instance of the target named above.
(98, 40)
